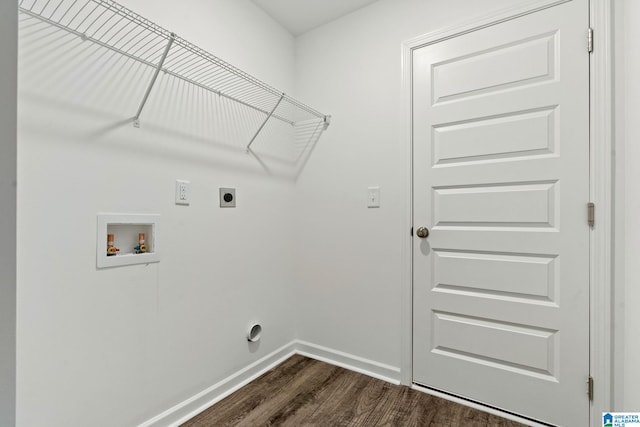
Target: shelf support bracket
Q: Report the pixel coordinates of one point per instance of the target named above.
(136, 119)
(327, 122)
(265, 121)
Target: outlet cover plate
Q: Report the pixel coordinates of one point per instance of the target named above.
(183, 192)
(227, 197)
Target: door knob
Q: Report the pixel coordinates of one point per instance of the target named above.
(422, 232)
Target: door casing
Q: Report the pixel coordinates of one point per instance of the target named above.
(601, 189)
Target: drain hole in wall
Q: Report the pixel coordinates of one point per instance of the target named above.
(254, 332)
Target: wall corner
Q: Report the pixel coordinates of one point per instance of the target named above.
(8, 192)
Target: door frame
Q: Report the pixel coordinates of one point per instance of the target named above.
(601, 189)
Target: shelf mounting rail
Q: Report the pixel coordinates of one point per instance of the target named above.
(113, 26)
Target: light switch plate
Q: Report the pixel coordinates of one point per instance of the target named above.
(373, 197)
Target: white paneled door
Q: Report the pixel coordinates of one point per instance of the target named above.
(501, 183)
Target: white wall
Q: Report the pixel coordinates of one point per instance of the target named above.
(351, 269)
(350, 273)
(8, 152)
(144, 338)
(118, 346)
(627, 91)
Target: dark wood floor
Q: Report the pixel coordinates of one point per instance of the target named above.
(306, 392)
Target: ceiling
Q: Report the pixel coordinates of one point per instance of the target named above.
(300, 16)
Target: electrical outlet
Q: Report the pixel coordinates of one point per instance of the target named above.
(183, 192)
(227, 197)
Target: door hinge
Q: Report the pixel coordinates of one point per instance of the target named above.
(590, 40)
(590, 388)
(591, 214)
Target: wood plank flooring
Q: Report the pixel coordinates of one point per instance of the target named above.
(307, 392)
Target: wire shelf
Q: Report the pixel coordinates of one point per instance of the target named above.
(113, 26)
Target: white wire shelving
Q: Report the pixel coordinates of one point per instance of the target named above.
(114, 27)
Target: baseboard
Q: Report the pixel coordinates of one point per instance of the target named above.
(194, 405)
(349, 361)
(478, 406)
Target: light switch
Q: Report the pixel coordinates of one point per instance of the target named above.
(373, 197)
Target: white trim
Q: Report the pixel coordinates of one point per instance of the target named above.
(354, 363)
(198, 403)
(602, 171)
(601, 180)
(194, 405)
(406, 309)
(478, 406)
(479, 23)
(619, 43)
